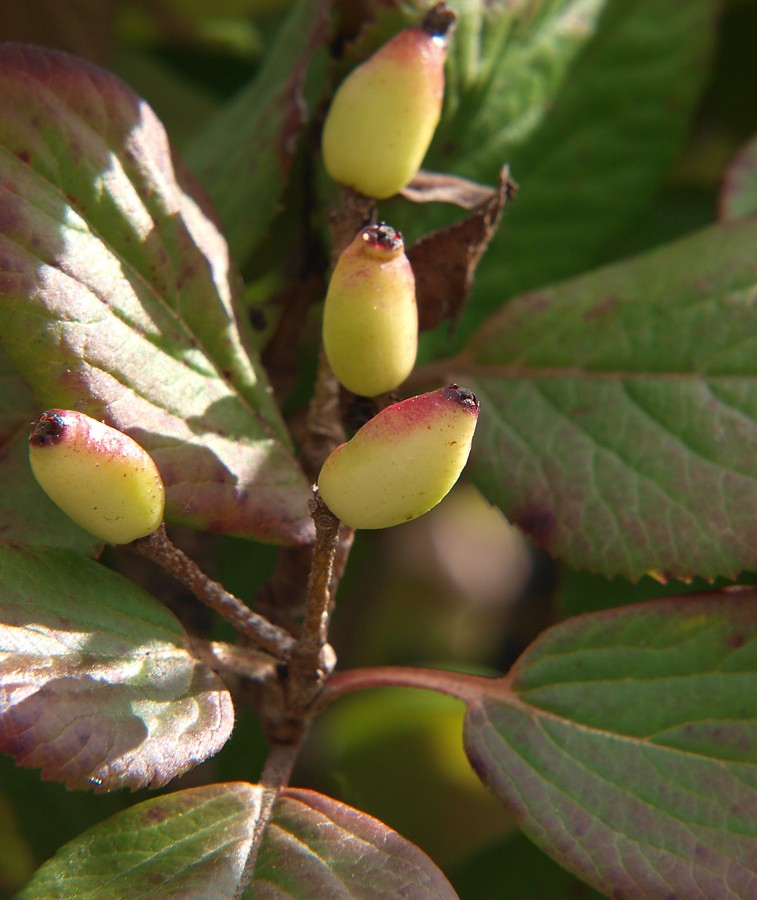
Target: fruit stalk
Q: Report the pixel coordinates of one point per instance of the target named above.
(159, 548)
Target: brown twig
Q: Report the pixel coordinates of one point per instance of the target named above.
(324, 422)
(312, 659)
(460, 685)
(159, 548)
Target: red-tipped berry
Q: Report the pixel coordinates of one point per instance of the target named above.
(402, 462)
(99, 476)
(370, 319)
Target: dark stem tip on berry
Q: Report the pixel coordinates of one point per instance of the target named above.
(463, 396)
(439, 20)
(383, 236)
(48, 429)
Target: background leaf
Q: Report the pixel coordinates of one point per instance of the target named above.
(118, 300)
(589, 114)
(243, 156)
(97, 686)
(506, 66)
(84, 27)
(619, 411)
(194, 843)
(626, 741)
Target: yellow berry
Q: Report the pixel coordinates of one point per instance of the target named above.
(384, 114)
(370, 318)
(97, 475)
(402, 462)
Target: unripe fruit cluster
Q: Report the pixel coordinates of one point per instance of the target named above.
(99, 476)
(402, 462)
(370, 318)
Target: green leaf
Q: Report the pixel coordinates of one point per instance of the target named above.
(194, 843)
(739, 194)
(506, 66)
(315, 845)
(117, 297)
(626, 742)
(98, 687)
(619, 411)
(589, 116)
(244, 155)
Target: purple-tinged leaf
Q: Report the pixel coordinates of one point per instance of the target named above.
(318, 847)
(195, 843)
(191, 843)
(97, 686)
(738, 197)
(626, 742)
(117, 297)
(618, 417)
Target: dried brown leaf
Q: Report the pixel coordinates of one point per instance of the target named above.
(445, 261)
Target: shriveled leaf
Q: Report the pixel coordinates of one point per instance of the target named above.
(739, 195)
(619, 411)
(435, 187)
(244, 155)
(588, 102)
(195, 843)
(626, 741)
(117, 298)
(445, 261)
(97, 687)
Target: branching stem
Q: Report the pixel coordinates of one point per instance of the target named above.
(311, 658)
(461, 685)
(160, 549)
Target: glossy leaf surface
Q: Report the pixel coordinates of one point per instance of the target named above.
(118, 297)
(97, 686)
